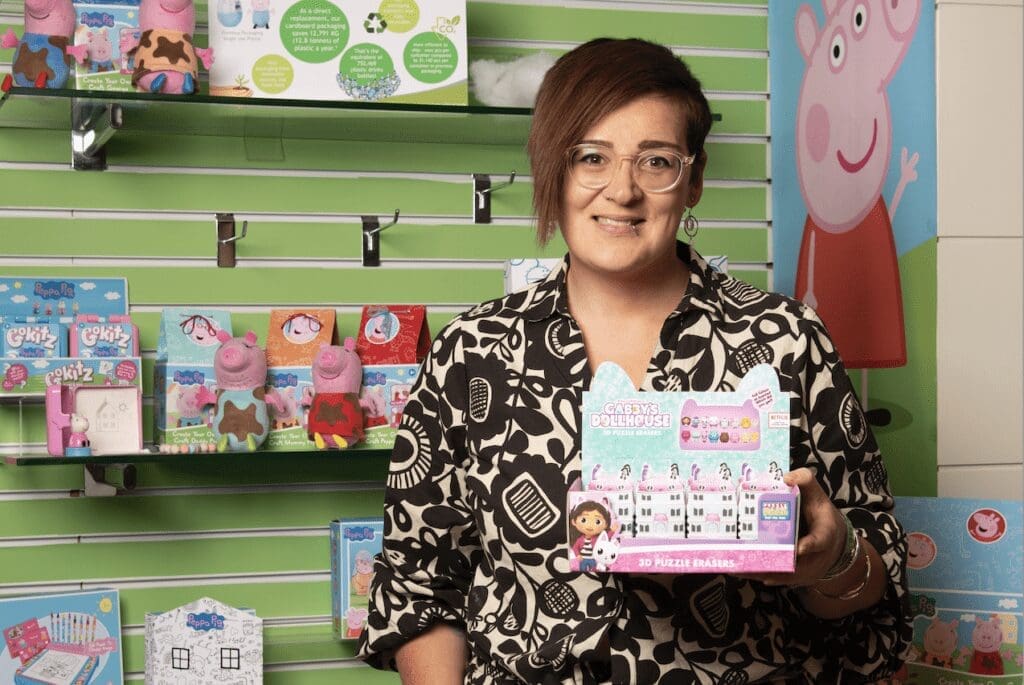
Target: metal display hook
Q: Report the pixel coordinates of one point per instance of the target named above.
(371, 238)
(226, 239)
(482, 190)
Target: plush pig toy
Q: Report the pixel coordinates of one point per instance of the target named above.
(241, 420)
(41, 59)
(165, 57)
(336, 416)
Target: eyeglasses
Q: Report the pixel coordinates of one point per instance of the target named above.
(655, 171)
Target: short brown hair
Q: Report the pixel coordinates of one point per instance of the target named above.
(584, 86)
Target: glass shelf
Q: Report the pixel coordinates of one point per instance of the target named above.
(150, 457)
(210, 115)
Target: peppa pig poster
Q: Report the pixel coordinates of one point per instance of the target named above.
(964, 570)
(854, 201)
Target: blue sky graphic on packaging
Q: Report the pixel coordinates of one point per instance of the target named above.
(61, 299)
(354, 543)
(61, 639)
(967, 589)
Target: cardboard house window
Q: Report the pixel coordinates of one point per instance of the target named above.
(179, 658)
(230, 658)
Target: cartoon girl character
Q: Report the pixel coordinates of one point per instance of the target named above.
(363, 573)
(301, 328)
(201, 330)
(381, 327)
(590, 519)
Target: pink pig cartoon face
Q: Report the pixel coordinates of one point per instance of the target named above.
(177, 15)
(844, 127)
(940, 638)
(100, 49)
(986, 525)
(239, 363)
(49, 17)
(987, 635)
(921, 551)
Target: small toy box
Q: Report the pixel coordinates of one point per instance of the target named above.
(356, 50)
(205, 641)
(33, 340)
(965, 572)
(354, 543)
(387, 386)
(112, 413)
(97, 336)
(523, 272)
(102, 26)
(294, 338)
(61, 639)
(184, 364)
(684, 482)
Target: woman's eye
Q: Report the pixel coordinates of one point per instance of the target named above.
(592, 159)
(656, 162)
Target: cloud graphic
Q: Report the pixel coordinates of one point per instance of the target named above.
(967, 618)
(4, 287)
(112, 295)
(1008, 603)
(19, 299)
(88, 285)
(40, 364)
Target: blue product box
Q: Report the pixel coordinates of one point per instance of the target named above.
(101, 27)
(24, 377)
(33, 340)
(354, 543)
(61, 639)
(61, 299)
(387, 386)
(964, 570)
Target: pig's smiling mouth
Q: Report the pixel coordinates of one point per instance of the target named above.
(854, 167)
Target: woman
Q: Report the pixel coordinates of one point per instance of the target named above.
(473, 585)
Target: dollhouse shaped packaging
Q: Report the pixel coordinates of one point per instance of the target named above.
(61, 639)
(354, 543)
(293, 340)
(204, 642)
(683, 482)
(184, 366)
(392, 341)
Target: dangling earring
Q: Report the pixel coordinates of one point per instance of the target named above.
(690, 224)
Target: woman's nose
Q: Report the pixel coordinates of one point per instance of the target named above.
(622, 187)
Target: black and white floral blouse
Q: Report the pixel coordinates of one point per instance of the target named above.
(475, 529)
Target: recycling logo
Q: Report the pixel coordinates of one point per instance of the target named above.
(374, 23)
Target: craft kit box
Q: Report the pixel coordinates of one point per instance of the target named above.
(684, 482)
(405, 51)
(32, 340)
(354, 543)
(185, 350)
(965, 571)
(102, 26)
(61, 639)
(293, 340)
(388, 387)
(204, 642)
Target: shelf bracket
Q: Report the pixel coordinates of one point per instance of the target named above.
(92, 125)
(482, 190)
(226, 239)
(105, 480)
(371, 238)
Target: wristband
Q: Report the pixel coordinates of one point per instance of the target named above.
(845, 561)
(852, 592)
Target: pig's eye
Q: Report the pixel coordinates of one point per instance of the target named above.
(837, 51)
(860, 19)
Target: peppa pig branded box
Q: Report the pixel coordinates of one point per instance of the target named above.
(683, 482)
(101, 27)
(66, 638)
(965, 572)
(403, 51)
(185, 350)
(354, 544)
(97, 336)
(32, 340)
(294, 337)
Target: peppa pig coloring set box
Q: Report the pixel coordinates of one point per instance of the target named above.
(965, 574)
(101, 26)
(294, 337)
(354, 543)
(185, 350)
(683, 482)
(408, 51)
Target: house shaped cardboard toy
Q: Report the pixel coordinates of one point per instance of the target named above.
(203, 642)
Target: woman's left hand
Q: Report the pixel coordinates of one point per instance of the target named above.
(822, 539)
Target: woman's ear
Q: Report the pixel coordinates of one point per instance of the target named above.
(696, 186)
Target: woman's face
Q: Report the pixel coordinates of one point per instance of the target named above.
(622, 230)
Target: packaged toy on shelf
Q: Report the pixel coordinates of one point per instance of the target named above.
(295, 337)
(392, 342)
(103, 28)
(97, 336)
(69, 638)
(31, 338)
(205, 641)
(83, 420)
(166, 59)
(241, 419)
(42, 58)
(683, 482)
(184, 373)
(336, 410)
(358, 50)
(354, 543)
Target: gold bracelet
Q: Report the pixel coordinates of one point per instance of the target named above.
(853, 592)
(848, 557)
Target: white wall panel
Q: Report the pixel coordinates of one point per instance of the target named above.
(989, 482)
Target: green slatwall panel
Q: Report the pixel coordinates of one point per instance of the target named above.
(251, 529)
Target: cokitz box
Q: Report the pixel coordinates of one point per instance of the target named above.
(357, 50)
(61, 639)
(354, 543)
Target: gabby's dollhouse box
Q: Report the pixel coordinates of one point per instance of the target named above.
(293, 340)
(684, 482)
(184, 366)
(410, 51)
(61, 639)
(354, 543)
(965, 571)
